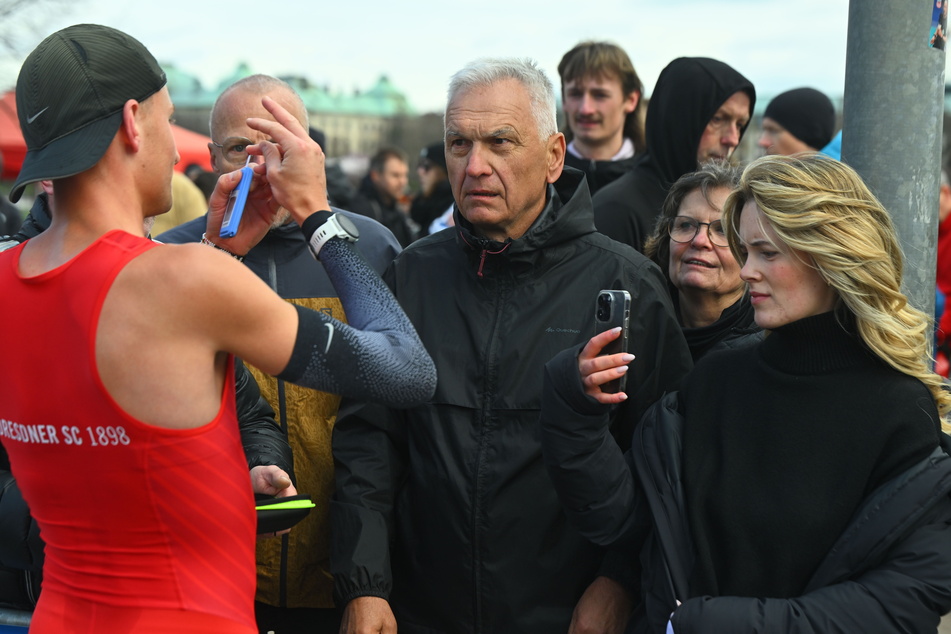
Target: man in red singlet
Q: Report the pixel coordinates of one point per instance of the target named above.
(129, 454)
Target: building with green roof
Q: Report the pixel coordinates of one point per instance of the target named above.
(355, 124)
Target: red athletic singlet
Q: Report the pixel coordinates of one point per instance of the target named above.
(147, 529)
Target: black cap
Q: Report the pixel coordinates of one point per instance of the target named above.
(434, 153)
(70, 94)
(806, 113)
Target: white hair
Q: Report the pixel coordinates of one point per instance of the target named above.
(485, 72)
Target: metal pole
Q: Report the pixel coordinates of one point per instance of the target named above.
(892, 119)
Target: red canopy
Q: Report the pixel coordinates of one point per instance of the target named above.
(12, 145)
(192, 147)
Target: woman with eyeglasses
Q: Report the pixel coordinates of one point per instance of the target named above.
(799, 485)
(689, 244)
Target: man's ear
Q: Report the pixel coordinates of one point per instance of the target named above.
(556, 156)
(630, 104)
(214, 158)
(131, 111)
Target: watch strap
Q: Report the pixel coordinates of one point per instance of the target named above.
(314, 221)
(326, 229)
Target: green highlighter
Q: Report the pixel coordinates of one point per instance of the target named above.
(278, 514)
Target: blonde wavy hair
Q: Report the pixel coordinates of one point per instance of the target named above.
(821, 207)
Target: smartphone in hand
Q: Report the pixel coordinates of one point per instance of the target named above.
(613, 309)
(239, 196)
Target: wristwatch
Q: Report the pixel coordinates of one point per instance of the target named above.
(337, 226)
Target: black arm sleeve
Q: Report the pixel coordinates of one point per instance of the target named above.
(377, 357)
(264, 442)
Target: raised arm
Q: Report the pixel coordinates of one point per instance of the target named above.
(377, 356)
(589, 471)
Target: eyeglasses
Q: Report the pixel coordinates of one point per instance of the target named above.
(685, 229)
(235, 149)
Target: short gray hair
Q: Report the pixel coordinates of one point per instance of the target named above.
(485, 72)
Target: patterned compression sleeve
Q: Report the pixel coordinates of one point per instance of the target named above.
(377, 357)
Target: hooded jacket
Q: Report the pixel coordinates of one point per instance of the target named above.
(445, 509)
(688, 93)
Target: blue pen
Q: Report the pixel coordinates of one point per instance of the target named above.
(239, 196)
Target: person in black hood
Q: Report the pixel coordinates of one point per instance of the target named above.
(698, 112)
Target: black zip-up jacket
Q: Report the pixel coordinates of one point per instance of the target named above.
(21, 549)
(446, 509)
(889, 571)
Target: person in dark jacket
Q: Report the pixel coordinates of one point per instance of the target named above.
(339, 189)
(21, 549)
(689, 245)
(10, 218)
(444, 518)
(601, 93)
(435, 194)
(798, 120)
(800, 485)
(294, 590)
(380, 193)
(698, 112)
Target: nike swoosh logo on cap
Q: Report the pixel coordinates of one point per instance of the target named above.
(33, 118)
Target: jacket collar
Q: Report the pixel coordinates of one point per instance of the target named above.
(567, 214)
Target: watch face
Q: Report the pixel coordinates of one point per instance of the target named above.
(347, 225)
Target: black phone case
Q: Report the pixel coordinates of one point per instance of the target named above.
(611, 314)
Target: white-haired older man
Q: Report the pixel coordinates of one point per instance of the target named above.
(444, 518)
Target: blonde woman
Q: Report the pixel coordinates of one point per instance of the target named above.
(798, 485)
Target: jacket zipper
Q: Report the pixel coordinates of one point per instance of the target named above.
(485, 419)
(282, 416)
(33, 597)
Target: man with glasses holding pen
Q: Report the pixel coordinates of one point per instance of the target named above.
(294, 588)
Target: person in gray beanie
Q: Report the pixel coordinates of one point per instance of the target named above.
(799, 120)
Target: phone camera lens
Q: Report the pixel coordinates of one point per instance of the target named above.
(604, 307)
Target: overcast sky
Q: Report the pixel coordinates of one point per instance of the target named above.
(348, 44)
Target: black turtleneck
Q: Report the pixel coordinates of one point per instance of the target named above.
(738, 320)
(783, 441)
